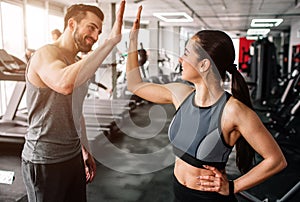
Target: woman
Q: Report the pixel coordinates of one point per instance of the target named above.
(209, 121)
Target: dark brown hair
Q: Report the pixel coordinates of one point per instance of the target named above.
(78, 12)
(219, 46)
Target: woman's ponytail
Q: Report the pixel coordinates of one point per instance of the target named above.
(239, 90)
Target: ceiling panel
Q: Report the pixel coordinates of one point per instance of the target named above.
(229, 15)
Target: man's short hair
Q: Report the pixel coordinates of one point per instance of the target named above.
(78, 12)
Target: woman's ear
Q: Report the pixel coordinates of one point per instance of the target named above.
(204, 65)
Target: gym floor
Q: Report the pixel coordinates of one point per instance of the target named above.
(126, 185)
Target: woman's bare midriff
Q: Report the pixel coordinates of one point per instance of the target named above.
(187, 174)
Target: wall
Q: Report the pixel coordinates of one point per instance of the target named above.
(170, 45)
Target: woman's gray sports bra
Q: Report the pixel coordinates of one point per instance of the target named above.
(196, 135)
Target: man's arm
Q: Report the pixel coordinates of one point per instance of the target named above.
(62, 78)
(89, 162)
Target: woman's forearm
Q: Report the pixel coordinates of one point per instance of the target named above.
(132, 67)
(261, 172)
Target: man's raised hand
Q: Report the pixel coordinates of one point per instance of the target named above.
(115, 34)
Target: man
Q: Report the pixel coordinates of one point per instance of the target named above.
(55, 34)
(56, 162)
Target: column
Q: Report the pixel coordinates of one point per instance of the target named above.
(153, 47)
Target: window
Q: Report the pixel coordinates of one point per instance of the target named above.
(13, 29)
(12, 41)
(36, 26)
(1, 39)
(55, 22)
(39, 24)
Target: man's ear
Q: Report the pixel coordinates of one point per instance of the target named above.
(72, 24)
(204, 65)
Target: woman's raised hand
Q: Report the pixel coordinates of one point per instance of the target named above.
(136, 25)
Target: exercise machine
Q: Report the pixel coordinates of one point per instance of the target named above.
(12, 127)
(264, 72)
(281, 116)
(105, 115)
(285, 198)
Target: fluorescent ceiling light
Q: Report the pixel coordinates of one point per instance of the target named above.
(251, 37)
(266, 22)
(258, 32)
(174, 17)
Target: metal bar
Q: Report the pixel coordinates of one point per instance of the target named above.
(290, 193)
(249, 196)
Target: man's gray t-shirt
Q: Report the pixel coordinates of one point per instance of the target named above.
(54, 123)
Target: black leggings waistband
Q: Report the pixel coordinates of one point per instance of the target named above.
(185, 194)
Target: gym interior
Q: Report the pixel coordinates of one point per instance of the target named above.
(128, 136)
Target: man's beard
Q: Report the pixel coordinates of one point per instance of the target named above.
(80, 43)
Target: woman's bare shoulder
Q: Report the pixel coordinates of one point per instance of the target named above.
(237, 111)
(180, 91)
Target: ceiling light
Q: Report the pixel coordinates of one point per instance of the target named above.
(263, 32)
(266, 22)
(251, 37)
(174, 17)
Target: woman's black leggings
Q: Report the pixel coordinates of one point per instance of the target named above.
(185, 194)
